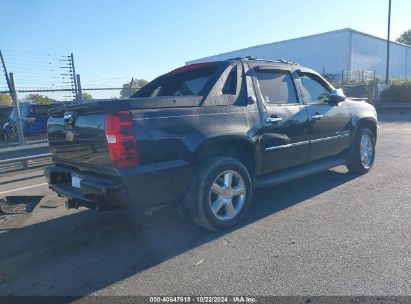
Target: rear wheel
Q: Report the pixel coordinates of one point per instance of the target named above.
(222, 193)
(362, 154)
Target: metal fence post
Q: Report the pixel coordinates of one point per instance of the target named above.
(80, 91)
(19, 125)
(131, 86)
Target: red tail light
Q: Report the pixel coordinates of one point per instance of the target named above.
(121, 140)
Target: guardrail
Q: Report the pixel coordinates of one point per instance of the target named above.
(24, 157)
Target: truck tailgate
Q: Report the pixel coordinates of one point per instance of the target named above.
(82, 143)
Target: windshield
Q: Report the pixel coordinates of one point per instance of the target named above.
(185, 81)
(23, 112)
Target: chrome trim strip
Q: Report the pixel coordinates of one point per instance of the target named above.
(329, 138)
(307, 142)
(287, 146)
(194, 115)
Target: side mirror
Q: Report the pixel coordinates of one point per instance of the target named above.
(337, 96)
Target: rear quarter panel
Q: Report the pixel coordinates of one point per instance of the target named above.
(177, 134)
(176, 137)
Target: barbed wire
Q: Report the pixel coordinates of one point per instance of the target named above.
(35, 69)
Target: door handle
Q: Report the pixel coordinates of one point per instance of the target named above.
(316, 116)
(273, 119)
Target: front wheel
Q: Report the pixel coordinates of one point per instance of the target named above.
(362, 153)
(222, 193)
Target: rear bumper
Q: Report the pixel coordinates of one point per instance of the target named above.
(143, 186)
(94, 192)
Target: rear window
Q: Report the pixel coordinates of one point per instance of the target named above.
(38, 110)
(185, 81)
(24, 109)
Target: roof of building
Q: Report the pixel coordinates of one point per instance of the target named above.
(302, 38)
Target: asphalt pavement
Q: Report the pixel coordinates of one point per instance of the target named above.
(333, 233)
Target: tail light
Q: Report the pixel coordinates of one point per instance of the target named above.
(121, 140)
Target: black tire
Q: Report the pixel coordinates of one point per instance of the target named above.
(355, 163)
(213, 171)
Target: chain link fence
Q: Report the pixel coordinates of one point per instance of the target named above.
(33, 110)
(359, 84)
(33, 104)
(43, 81)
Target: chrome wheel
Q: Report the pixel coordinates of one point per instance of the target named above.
(227, 195)
(366, 151)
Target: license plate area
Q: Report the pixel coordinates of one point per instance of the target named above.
(75, 180)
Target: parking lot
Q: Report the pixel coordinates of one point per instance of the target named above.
(329, 234)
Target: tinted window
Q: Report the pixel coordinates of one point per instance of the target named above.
(24, 109)
(182, 82)
(277, 87)
(38, 110)
(181, 87)
(230, 85)
(314, 91)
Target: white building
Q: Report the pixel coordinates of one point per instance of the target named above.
(333, 52)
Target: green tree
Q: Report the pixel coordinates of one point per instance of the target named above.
(405, 37)
(5, 99)
(39, 99)
(129, 90)
(87, 96)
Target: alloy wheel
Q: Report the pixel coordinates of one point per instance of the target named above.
(366, 151)
(227, 195)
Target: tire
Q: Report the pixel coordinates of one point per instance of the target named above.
(224, 183)
(362, 153)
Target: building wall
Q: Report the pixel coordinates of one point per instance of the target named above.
(369, 54)
(323, 52)
(332, 52)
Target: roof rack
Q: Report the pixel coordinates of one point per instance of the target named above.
(259, 59)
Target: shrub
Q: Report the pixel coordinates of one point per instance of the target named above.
(399, 91)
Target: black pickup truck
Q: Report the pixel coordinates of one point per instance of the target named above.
(204, 135)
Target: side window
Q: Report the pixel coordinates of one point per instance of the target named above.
(155, 92)
(277, 87)
(230, 85)
(314, 91)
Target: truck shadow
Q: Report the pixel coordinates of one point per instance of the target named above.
(83, 252)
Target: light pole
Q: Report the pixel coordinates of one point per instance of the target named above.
(387, 70)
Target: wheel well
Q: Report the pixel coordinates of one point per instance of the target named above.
(238, 149)
(369, 124)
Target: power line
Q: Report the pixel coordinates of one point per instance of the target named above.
(34, 53)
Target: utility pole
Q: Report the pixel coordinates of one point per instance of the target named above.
(74, 76)
(131, 86)
(19, 124)
(387, 71)
(80, 91)
(13, 94)
(5, 70)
